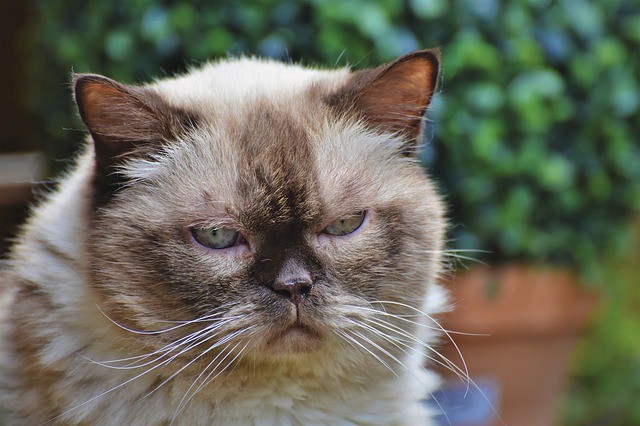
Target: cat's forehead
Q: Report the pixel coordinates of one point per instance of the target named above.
(271, 155)
(275, 172)
(276, 169)
(226, 85)
(257, 166)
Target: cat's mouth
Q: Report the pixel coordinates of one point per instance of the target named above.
(295, 338)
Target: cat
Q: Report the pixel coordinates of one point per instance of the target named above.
(251, 242)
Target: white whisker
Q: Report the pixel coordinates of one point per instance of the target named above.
(394, 358)
(135, 360)
(153, 332)
(404, 318)
(205, 335)
(355, 341)
(208, 379)
(384, 351)
(407, 344)
(220, 342)
(462, 373)
(457, 349)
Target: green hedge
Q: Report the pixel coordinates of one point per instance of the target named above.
(537, 134)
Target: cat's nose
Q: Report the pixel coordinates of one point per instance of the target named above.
(294, 289)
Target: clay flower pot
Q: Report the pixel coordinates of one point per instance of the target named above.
(528, 320)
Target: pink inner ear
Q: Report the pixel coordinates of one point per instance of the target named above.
(113, 113)
(397, 98)
(394, 97)
(101, 107)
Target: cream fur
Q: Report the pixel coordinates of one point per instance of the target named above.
(47, 292)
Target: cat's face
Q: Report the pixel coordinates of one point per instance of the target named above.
(270, 222)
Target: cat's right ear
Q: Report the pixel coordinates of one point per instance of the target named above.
(121, 119)
(393, 97)
(124, 121)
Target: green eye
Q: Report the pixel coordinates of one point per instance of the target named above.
(216, 238)
(346, 225)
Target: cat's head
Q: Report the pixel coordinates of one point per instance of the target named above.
(261, 207)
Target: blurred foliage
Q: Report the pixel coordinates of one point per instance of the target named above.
(606, 376)
(533, 137)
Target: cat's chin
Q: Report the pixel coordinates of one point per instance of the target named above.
(296, 338)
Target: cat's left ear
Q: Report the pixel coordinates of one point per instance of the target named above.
(395, 96)
(124, 120)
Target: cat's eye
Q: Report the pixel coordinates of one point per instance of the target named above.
(216, 238)
(346, 225)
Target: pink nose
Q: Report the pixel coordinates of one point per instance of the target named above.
(296, 289)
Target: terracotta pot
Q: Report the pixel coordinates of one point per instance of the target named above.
(527, 321)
